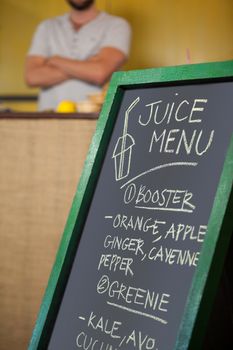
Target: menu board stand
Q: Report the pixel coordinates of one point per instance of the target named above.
(151, 221)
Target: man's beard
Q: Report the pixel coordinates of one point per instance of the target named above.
(82, 6)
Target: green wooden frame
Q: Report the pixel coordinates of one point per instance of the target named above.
(220, 223)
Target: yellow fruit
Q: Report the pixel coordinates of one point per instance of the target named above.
(66, 107)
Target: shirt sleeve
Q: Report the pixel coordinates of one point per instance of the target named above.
(118, 36)
(39, 45)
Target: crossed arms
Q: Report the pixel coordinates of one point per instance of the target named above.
(45, 72)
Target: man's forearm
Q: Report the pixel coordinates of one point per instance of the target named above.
(95, 70)
(45, 76)
(89, 71)
(45, 72)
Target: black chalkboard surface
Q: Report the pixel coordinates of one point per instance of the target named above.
(150, 224)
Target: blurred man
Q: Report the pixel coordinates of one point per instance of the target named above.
(73, 55)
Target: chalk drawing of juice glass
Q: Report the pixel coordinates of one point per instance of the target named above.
(123, 149)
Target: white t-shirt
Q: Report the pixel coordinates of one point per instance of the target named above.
(57, 36)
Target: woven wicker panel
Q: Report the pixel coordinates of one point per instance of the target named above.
(40, 164)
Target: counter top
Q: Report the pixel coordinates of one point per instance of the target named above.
(46, 115)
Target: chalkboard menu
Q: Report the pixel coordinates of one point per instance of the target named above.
(145, 241)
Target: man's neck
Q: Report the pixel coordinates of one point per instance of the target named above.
(80, 18)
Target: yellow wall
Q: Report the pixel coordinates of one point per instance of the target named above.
(165, 32)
